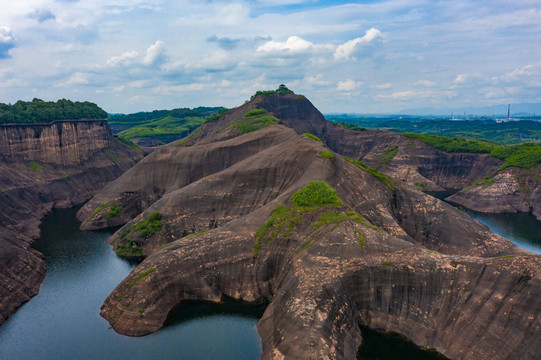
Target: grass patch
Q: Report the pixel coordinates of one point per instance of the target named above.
(246, 125)
(164, 246)
(376, 173)
(281, 217)
(35, 167)
(113, 212)
(327, 155)
(313, 137)
(100, 208)
(485, 182)
(197, 233)
(129, 250)
(142, 276)
(388, 155)
(511, 256)
(255, 112)
(361, 238)
(146, 227)
(130, 143)
(386, 263)
(316, 194)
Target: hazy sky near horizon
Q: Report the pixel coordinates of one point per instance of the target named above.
(345, 56)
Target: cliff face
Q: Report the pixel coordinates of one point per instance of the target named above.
(509, 190)
(43, 166)
(389, 257)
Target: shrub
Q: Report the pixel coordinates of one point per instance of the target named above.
(376, 173)
(311, 136)
(316, 193)
(327, 155)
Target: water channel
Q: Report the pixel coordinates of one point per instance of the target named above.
(63, 322)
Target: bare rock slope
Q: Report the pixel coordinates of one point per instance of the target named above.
(43, 166)
(332, 244)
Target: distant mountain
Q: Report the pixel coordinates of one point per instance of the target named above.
(516, 109)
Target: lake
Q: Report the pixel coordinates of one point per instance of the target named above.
(63, 321)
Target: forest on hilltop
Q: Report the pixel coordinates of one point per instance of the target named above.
(39, 111)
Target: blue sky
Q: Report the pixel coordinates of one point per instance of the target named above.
(345, 56)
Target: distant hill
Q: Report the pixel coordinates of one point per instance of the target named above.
(498, 110)
(160, 126)
(39, 111)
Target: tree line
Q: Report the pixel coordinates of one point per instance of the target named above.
(39, 111)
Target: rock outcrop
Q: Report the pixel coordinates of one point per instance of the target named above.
(43, 166)
(383, 255)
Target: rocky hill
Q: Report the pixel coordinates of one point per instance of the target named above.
(250, 208)
(44, 166)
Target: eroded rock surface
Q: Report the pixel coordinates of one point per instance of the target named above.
(43, 166)
(386, 256)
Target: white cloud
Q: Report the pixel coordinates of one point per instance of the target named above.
(293, 44)
(348, 85)
(426, 83)
(383, 86)
(126, 58)
(155, 54)
(348, 49)
(7, 41)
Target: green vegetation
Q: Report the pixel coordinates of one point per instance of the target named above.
(361, 239)
(129, 250)
(114, 211)
(376, 173)
(160, 126)
(388, 155)
(129, 143)
(313, 137)
(315, 195)
(255, 112)
(35, 166)
(327, 155)
(282, 90)
(421, 187)
(141, 276)
(522, 156)
(511, 256)
(218, 115)
(164, 246)
(348, 126)
(146, 227)
(386, 263)
(100, 208)
(254, 120)
(39, 111)
(197, 233)
(504, 133)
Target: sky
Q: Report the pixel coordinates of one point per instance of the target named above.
(345, 56)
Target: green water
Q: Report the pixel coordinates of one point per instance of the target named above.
(63, 321)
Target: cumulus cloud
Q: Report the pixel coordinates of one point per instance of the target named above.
(462, 80)
(155, 54)
(293, 44)
(42, 15)
(349, 48)
(7, 41)
(348, 85)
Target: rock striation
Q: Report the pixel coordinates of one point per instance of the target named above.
(381, 254)
(44, 166)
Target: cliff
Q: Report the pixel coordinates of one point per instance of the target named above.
(44, 166)
(218, 215)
